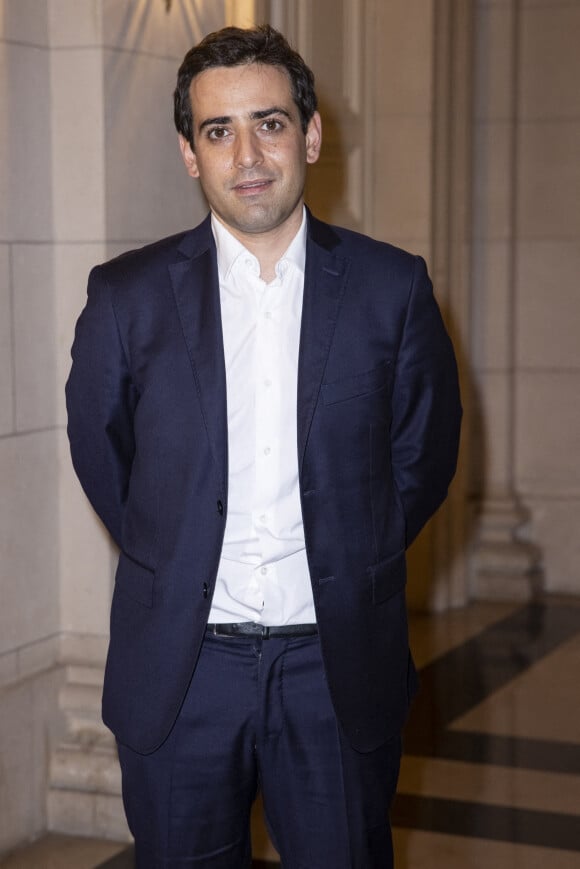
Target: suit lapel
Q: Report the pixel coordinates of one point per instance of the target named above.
(196, 290)
(324, 284)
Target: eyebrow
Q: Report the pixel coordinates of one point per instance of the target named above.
(254, 116)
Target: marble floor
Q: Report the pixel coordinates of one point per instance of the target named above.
(491, 772)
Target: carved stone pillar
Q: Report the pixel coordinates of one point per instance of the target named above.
(450, 262)
(503, 565)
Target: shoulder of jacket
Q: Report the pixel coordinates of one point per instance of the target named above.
(145, 261)
(355, 244)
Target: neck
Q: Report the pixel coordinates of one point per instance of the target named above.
(268, 249)
(269, 246)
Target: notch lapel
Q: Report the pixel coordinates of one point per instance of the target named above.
(196, 290)
(324, 285)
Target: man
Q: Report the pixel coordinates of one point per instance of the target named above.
(264, 413)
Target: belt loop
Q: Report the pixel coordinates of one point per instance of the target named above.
(266, 633)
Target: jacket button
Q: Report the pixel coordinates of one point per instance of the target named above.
(205, 589)
(220, 508)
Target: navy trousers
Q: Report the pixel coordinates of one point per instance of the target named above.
(258, 715)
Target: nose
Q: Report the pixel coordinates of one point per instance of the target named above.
(247, 151)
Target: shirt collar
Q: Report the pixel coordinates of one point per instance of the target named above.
(229, 249)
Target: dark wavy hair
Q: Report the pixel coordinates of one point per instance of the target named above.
(234, 46)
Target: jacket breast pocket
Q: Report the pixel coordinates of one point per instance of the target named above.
(134, 580)
(388, 577)
(357, 384)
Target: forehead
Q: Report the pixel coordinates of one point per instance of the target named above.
(232, 90)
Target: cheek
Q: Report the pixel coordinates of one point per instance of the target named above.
(211, 170)
(288, 163)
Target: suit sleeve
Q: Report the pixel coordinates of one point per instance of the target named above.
(426, 408)
(101, 401)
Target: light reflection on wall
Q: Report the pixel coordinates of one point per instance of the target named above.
(239, 13)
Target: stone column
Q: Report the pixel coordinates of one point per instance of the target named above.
(451, 257)
(503, 565)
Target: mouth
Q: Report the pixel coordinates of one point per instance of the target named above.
(251, 188)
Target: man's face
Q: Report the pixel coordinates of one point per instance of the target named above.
(250, 151)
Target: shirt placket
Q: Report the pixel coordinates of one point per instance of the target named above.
(267, 447)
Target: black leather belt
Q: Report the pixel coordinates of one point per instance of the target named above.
(266, 632)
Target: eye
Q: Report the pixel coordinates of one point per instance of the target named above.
(272, 125)
(217, 133)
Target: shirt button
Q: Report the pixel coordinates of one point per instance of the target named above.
(267, 383)
(263, 518)
(267, 451)
(268, 315)
(263, 571)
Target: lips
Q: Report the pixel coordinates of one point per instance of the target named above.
(256, 186)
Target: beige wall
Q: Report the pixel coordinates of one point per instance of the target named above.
(525, 352)
(547, 297)
(29, 566)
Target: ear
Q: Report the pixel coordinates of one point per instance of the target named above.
(313, 138)
(189, 157)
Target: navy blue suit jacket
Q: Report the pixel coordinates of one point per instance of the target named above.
(378, 426)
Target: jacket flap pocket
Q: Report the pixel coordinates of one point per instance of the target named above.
(388, 577)
(134, 580)
(356, 384)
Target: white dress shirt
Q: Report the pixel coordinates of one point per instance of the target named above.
(263, 572)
